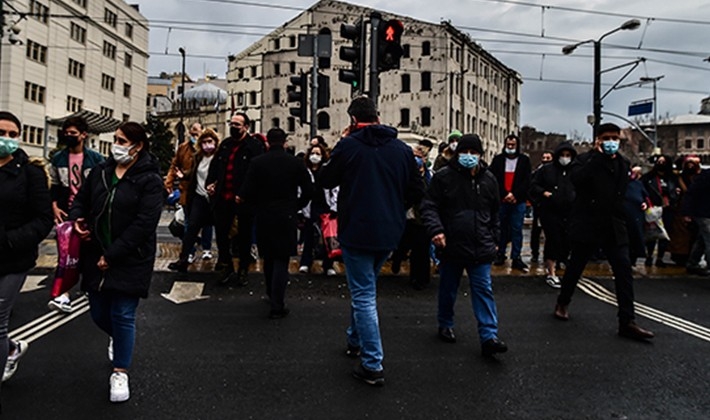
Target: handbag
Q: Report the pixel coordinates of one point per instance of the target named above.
(329, 227)
(654, 228)
(68, 246)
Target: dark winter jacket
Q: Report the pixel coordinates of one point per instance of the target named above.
(554, 178)
(696, 202)
(379, 181)
(660, 186)
(59, 174)
(598, 214)
(271, 187)
(25, 213)
(465, 209)
(521, 180)
(133, 214)
(249, 148)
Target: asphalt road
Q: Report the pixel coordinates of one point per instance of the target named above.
(221, 358)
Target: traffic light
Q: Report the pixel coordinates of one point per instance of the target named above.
(298, 92)
(389, 48)
(355, 54)
(323, 99)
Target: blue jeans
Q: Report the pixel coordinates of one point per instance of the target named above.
(361, 269)
(115, 314)
(511, 226)
(484, 305)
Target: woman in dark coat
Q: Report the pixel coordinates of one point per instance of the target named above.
(25, 220)
(117, 212)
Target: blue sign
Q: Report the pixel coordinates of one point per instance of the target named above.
(640, 108)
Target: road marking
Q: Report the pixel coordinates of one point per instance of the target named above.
(599, 292)
(49, 322)
(185, 291)
(32, 283)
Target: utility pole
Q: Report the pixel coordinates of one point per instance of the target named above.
(375, 20)
(314, 89)
(654, 80)
(181, 130)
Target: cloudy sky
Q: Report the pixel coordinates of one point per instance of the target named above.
(528, 36)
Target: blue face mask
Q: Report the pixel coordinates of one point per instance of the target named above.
(8, 146)
(610, 146)
(468, 161)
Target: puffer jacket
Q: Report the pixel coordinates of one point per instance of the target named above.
(133, 214)
(465, 209)
(25, 213)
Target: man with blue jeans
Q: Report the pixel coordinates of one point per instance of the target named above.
(460, 212)
(513, 171)
(379, 181)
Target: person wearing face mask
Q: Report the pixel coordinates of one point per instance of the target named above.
(553, 190)
(116, 212)
(25, 220)
(198, 213)
(536, 229)
(683, 233)
(663, 191)
(598, 220)
(68, 169)
(513, 171)
(635, 202)
(443, 158)
(460, 212)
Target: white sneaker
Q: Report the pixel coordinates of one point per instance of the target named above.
(191, 258)
(60, 304)
(119, 387)
(13, 360)
(207, 255)
(303, 269)
(553, 281)
(110, 349)
(331, 272)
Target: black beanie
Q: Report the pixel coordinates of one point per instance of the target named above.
(470, 142)
(8, 116)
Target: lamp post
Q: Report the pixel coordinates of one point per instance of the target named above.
(629, 25)
(653, 80)
(181, 130)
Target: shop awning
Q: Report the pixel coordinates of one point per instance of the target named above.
(97, 123)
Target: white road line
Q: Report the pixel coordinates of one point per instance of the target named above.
(48, 321)
(55, 315)
(599, 292)
(76, 313)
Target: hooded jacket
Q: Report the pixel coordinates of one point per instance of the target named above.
(465, 209)
(134, 213)
(521, 180)
(379, 181)
(59, 174)
(25, 213)
(557, 179)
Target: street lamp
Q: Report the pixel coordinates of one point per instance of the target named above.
(181, 129)
(653, 80)
(629, 25)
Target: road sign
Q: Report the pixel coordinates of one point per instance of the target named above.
(640, 108)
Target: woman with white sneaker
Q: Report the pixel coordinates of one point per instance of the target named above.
(117, 211)
(25, 220)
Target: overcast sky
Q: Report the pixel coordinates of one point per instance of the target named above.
(673, 39)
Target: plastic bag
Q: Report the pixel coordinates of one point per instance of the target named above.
(329, 228)
(68, 245)
(654, 228)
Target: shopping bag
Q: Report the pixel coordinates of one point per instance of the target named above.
(177, 225)
(329, 227)
(654, 228)
(68, 245)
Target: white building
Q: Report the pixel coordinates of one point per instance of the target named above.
(446, 81)
(73, 56)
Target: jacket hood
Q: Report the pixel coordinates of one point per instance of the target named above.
(565, 145)
(375, 135)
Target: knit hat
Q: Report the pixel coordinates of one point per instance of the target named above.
(456, 134)
(470, 142)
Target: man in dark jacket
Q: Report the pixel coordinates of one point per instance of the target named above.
(272, 186)
(226, 176)
(553, 191)
(378, 181)
(697, 206)
(512, 169)
(460, 212)
(597, 220)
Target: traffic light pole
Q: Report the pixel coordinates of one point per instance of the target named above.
(375, 21)
(314, 89)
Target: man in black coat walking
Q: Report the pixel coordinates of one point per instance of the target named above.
(597, 220)
(272, 186)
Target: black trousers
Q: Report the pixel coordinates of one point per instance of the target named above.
(224, 214)
(535, 232)
(199, 216)
(276, 276)
(618, 257)
(416, 240)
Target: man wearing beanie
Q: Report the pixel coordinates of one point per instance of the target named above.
(460, 212)
(443, 158)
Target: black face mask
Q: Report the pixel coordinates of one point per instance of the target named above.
(235, 132)
(70, 141)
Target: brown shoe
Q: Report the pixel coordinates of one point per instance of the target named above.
(633, 331)
(561, 312)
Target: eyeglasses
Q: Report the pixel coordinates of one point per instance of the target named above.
(609, 137)
(11, 134)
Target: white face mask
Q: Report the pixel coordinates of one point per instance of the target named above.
(453, 145)
(121, 154)
(564, 161)
(315, 159)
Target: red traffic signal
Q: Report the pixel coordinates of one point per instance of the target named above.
(389, 46)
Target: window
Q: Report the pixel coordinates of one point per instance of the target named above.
(106, 112)
(109, 50)
(468, 91)
(405, 51)
(107, 82)
(458, 54)
(36, 52)
(276, 96)
(126, 90)
(701, 143)
(128, 60)
(76, 69)
(110, 17)
(406, 83)
(291, 124)
(34, 92)
(426, 48)
(74, 104)
(292, 67)
(78, 33)
(426, 81)
(688, 143)
(240, 73)
(253, 71)
(292, 41)
(277, 69)
(252, 98)
(129, 30)
(81, 3)
(323, 121)
(32, 135)
(39, 11)
(277, 43)
(275, 123)
(125, 117)
(240, 99)
(426, 117)
(404, 117)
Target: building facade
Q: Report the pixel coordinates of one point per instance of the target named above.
(446, 81)
(72, 56)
